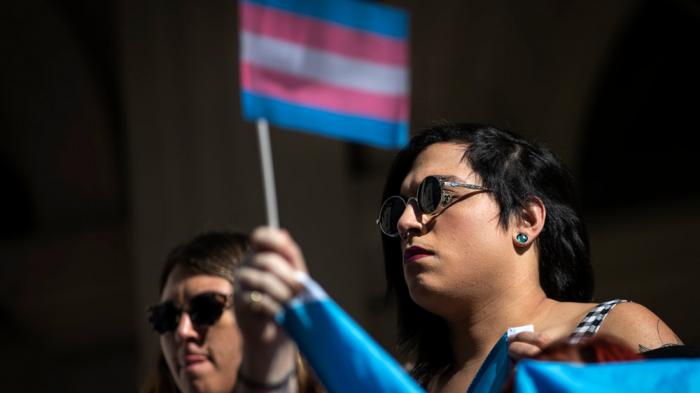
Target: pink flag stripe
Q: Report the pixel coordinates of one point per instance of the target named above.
(321, 35)
(303, 91)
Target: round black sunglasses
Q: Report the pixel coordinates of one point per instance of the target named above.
(429, 197)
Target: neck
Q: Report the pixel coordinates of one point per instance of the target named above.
(473, 336)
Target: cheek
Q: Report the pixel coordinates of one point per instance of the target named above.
(460, 231)
(225, 343)
(471, 237)
(225, 347)
(167, 346)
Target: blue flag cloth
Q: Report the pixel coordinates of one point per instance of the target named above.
(347, 360)
(343, 356)
(641, 376)
(495, 370)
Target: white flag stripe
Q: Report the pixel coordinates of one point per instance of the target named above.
(312, 292)
(322, 66)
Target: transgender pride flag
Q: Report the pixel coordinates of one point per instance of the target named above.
(333, 67)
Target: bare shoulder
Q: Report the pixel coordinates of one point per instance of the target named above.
(639, 327)
(563, 318)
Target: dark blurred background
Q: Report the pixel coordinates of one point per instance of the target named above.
(121, 136)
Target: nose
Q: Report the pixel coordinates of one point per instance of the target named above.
(410, 219)
(185, 329)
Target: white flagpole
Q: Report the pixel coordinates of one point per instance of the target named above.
(268, 174)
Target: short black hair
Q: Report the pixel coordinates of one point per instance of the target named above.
(515, 170)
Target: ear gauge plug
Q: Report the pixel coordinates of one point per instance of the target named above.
(521, 238)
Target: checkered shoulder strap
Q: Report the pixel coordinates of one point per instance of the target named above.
(590, 324)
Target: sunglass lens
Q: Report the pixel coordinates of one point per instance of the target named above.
(389, 215)
(429, 194)
(163, 317)
(206, 309)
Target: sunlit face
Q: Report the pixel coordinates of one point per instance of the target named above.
(465, 250)
(201, 358)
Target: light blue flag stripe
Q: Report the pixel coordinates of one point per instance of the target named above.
(352, 128)
(344, 357)
(377, 18)
(494, 371)
(642, 376)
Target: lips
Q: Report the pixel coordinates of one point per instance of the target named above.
(415, 253)
(194, 358)
(191, 360)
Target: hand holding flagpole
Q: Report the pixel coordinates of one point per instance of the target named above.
(268, 174)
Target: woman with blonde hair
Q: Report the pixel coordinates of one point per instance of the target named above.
(201, 339)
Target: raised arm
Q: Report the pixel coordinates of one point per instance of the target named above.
(265, 282)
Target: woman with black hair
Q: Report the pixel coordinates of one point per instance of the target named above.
(510, 251)
(480, 234)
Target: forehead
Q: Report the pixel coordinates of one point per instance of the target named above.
(181, 285)
(438, 159)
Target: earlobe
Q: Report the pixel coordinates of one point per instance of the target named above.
(530, 223)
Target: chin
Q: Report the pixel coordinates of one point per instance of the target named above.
(432, 298)
(197, 385)
(422, 293)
